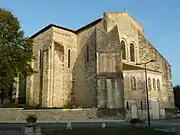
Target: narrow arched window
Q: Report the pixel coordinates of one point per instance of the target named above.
(123, 47)
(141, 105)
(158, 84)
(87, 54)
(69, 57)
(133, 83)
(154, 84)
(127, 105)
(132, 52)
(149, 84)
(40, 59)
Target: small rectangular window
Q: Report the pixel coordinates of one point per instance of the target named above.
(69, 56)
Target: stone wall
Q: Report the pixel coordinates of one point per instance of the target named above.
(130, 31)
(142, 114)
(139, 91)
(41, 42)
(84, 70)
(147, 52)
(55, 87)
(127, 29)
(64, 57)
(109, 69)
(15, 114)
(95, 54)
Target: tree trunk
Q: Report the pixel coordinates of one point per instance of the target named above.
(2, 96)
(10, 93)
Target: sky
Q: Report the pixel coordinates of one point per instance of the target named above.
(160, 19)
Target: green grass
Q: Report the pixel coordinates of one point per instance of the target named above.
(107, 131)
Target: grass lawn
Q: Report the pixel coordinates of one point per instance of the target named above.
(107, 131)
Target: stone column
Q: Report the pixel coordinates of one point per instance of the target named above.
(113, 62)
(100, 93)
(104, 59)
(52, 74)
(49, 77)
(98, 62)
(109, 94)
(120, 84)
(117, 95)
(113, 92)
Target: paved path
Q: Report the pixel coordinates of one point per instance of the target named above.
(61, 125)
(171, 125)
(58, 125)
(169, 121)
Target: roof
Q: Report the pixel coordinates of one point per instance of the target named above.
(85, 27)
(128, 66)
(78, 30)
(89, 25)
(49, 26)
(67, 29)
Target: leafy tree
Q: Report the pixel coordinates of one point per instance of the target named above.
(15, 51)
(177, 96)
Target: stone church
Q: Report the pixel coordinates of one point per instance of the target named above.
(99, 65)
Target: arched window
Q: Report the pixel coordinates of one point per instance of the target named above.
(149, 84)
(123, 46)
(132, 52)
(87, 54)
(40, 59)
(154, 84)
(141, 105)
(69, 57)
(133, 83)
(158, 84)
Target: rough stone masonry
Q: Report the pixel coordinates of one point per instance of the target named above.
(95, 66)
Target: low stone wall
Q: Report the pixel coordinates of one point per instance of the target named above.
(171, 112)
(142, 114)
(106, 113)
(18, 114)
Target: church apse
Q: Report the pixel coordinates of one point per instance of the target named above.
(110, 89)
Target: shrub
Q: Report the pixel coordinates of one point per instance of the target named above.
(171, 110)
(68, 106)
(27, 107)
(135, 120)
(137, 123)
(12, 106)
(31, 118)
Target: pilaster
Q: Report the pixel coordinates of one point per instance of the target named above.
(52, 75)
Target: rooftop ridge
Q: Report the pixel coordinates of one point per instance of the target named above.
(64, 28)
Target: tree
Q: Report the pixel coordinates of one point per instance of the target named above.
(177, 96)
(15, 51)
